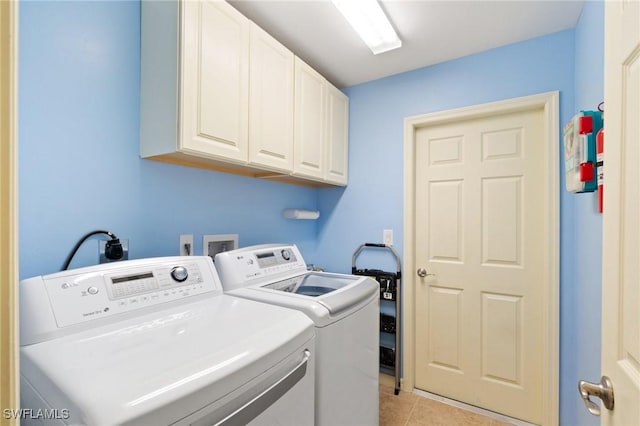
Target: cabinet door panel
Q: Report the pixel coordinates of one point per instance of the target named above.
(270, 103)
(309, 139)
(215, 89)
(338, 136)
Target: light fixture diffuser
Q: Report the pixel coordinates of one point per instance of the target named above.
(372, 25)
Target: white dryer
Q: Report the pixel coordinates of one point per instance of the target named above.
(155, 342)
(345, 311)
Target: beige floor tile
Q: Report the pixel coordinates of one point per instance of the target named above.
(385, 389)
(499, 423)
(393, 410)
(432, 413)
(406, 396)
(408, 409)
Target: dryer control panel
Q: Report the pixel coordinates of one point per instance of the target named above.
(77, 296)
(258, 263)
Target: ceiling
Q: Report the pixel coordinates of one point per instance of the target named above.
(431, 31)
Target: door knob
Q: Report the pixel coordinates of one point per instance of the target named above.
(602, 390)
(423, 273)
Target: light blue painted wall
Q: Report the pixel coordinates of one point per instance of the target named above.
(78, 151)
(581, 295)
(373, 201)
(78, 100)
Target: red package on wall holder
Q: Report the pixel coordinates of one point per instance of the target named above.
(586, 172)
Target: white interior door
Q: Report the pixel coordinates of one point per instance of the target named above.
(621, 239)
(480, 198)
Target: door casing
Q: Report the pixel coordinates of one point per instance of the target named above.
(9, 335)
(549, 102)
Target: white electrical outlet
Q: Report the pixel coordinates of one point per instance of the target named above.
(186, 245)
(387, 237)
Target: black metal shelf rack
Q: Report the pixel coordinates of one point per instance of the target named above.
(390, 311)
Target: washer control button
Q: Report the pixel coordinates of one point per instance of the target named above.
(92, 290)
(179, 273)
(286, 255)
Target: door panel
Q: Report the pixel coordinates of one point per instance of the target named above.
(502, 221)
(445, 307)
(479, 213)
(621, 230)
(445, 220)
(501, 338)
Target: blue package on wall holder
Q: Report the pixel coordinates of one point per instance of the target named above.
(579, 137)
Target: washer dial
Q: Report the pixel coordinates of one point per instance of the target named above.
(286, 254)
(179, 273)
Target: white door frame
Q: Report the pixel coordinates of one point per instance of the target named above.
(548, 102)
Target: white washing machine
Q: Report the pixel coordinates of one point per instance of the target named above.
(345, 311)
(155, 342)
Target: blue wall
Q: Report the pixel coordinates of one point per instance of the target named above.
(581, 294)
(373, 200)
(80, 169)
(78, 152)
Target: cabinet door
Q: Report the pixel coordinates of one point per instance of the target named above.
(337, 152)
(215, 81)
(309, 128)
(270, 103)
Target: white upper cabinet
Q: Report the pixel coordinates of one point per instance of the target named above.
(270, 103)
(321, 128)
(218, 92)
(194, 84)
(309, 127)
(215, 83)
(337, 150)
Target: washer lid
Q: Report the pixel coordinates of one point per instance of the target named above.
(336, 292)
(350, 293)
(313, 284)
(121, 372)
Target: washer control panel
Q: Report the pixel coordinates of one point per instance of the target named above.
(76, 298)
(239, 267)
(277, 257)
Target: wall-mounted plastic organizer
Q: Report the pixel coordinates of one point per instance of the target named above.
(580, 151)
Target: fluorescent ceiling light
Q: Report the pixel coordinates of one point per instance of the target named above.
(369, 21)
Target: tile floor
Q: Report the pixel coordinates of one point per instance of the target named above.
(408, 409)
